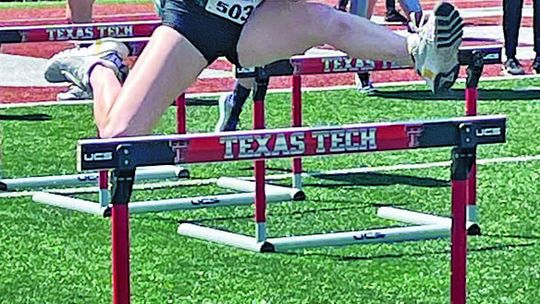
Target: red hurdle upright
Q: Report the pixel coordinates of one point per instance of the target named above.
(474, 71)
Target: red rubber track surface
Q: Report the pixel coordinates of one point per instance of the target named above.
(126, 12)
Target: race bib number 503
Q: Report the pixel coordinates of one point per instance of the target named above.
(236, 11)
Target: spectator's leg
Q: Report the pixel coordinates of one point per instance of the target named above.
(511, 23)
(363, 82)
(536, 26)
(536, 29)
(392, 15)
(79, 11)
(390, 5)
(342, 5)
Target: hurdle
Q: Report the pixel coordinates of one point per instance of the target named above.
(73, 32)
(473, 57)
(463, 134)
(80, 180)
(84, 32)
(246, 197)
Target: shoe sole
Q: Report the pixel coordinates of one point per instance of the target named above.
(448, 34)
(449, 26)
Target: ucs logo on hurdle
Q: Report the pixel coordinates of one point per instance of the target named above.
(488, 132)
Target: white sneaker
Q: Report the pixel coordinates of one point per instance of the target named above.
(74, 93)
(365, 88)
(435, 48)
(74, 65)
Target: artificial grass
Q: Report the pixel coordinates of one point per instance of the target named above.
(48, 255)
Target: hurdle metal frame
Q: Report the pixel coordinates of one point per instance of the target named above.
(463, 134)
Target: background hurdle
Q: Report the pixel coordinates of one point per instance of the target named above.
(464, 134)
(249, 189)
(136, 34)
(84, 32)
(473, 57)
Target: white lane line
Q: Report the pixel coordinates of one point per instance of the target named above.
(280, 90)
(200, 182)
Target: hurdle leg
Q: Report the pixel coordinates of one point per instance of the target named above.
(103, 185)
(260, 195)
(474, 71)
(462, 160)
(122, 181)
(181, 114)
(297, 122)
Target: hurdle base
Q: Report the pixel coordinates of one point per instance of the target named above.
(419, 218)
(236, 199)
(249, 186)
(39, 182)
(386, 235)
(273, 194)
(70, 203)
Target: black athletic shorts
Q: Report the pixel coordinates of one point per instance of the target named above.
(212, 35)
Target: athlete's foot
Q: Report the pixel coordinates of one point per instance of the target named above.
(228, 119)
(75, 65)
(435, 48)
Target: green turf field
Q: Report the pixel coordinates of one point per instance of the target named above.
(49, 255)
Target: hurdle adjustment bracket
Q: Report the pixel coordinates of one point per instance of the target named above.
(474, 69)
(464, 156)
(123, 177)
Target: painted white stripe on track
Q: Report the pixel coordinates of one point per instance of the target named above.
(281, 90)
(201, 182)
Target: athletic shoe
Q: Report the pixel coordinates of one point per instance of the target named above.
(394, 16)
(227, 120)
(435, 48)
(364, 86)
(513, 67)
(74, 93)
(536, 65)
(74, 65)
